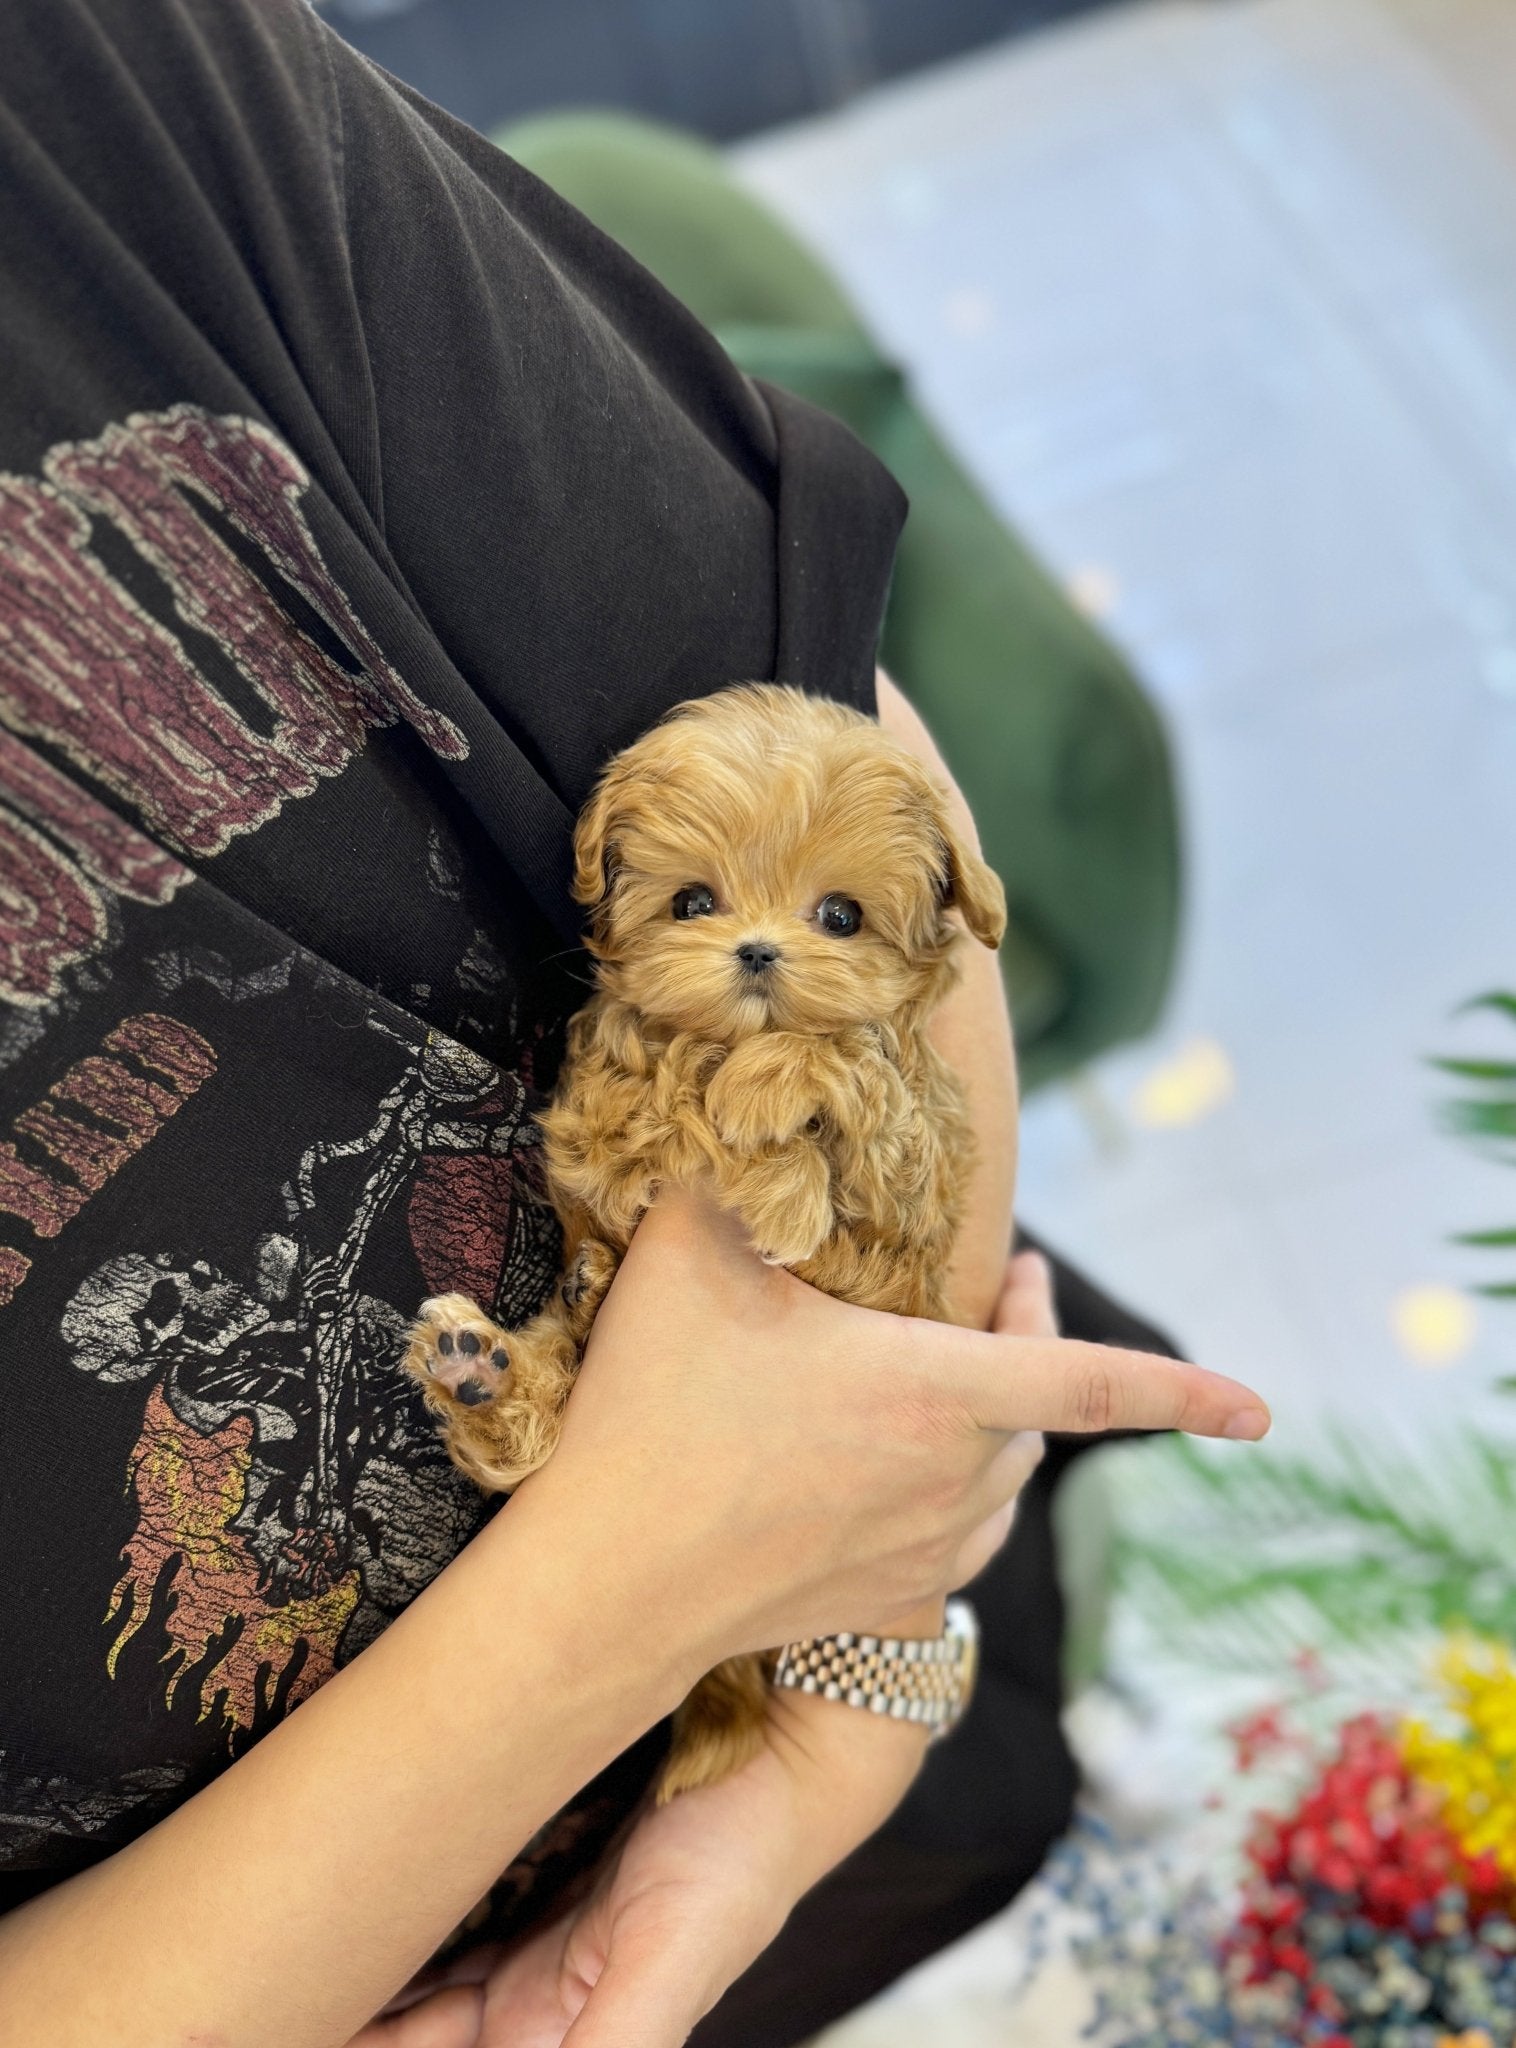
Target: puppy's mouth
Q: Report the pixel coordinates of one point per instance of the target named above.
(758, 1001)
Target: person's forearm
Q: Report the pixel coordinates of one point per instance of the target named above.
(848, 1773)
(972, 1031)
(284, 1904)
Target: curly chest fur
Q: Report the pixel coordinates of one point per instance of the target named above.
(843, 1154)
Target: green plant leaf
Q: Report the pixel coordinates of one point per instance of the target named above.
(1488, 1119)
(1242, 1561)
(1497, 999)
(1482, 1119)
(1477, 1070)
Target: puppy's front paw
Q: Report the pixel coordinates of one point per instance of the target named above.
(785, 1202)
(456, 1350)
(793, 1245)
(760, 1096)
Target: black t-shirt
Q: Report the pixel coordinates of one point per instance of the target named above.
(357, 500)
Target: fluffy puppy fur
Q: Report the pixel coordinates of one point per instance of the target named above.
(769, 878)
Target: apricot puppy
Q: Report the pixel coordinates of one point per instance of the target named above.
(769, 877)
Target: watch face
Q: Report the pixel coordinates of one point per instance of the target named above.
(961, 1622)
(969, 1668)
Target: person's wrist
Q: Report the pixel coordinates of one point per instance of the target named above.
(629, 1606)
(847, 1772)
(926, 1620)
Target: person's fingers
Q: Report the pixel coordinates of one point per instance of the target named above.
(981, 1547)
(1004, 1476)
(531, 1996)
(1000, 1489)
(445, 2019)
(469, 1966)
(1010, 1469)
(1058, 1384)
(1025, 1305)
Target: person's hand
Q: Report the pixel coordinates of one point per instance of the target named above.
(803, 1465)
(702, 1885)
(1024, 1309)
(697, 1892)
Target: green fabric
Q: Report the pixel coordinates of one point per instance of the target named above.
(1084, 1552)
(668, 198)
(1059, 753)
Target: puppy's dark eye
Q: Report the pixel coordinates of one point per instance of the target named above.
(695, 901)
(839, 915)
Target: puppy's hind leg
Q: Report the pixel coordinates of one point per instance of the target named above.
(592, 1266)
(718, 1728)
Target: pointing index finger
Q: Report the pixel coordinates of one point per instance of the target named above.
(1058, 1383)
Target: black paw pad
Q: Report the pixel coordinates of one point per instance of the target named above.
(499, 1359)
(470, 1393)
(445, 1343)
(468, 1343)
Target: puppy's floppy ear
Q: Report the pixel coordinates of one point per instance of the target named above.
(971, 885)
(595, 846)
(965, 880)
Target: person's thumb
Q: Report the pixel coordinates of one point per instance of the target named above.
(1025, 1306)
(649, 1997)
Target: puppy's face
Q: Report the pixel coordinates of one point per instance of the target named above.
(766, 861)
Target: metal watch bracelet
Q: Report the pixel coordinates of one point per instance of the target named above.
(925, 1679)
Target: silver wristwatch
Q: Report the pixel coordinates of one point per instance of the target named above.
(928, 1679)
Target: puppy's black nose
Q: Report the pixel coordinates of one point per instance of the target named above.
(757, 955)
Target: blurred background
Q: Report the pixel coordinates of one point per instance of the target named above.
(723, 68)
(1190, 327)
